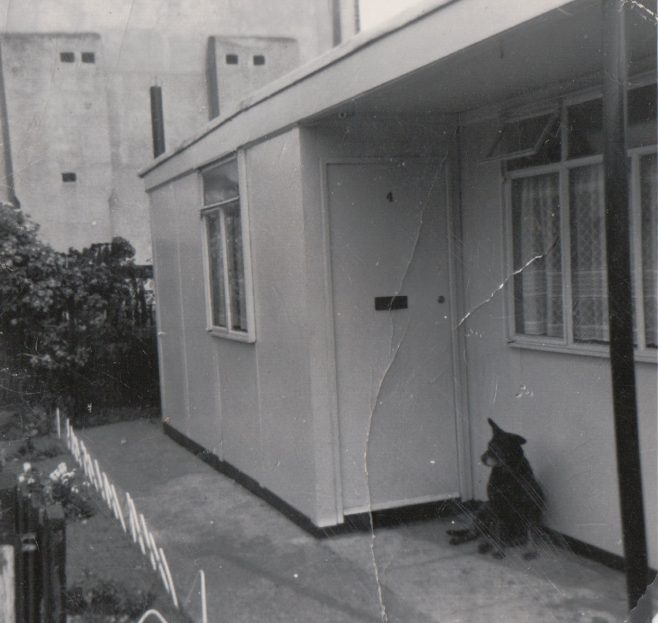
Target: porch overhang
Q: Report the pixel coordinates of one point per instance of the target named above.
(452, 56)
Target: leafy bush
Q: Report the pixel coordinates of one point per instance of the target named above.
(60, 486)
(68, 320)
(24, 422)
(97, 596)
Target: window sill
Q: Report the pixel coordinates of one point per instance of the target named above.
(581, 350)
(231, 335)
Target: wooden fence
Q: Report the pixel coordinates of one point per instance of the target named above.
(33, 548)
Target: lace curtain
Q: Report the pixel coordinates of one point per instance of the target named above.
(536, 225)
(588, 254)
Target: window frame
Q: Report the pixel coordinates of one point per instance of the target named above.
(248, 336)
(493, 155)
(567, 343)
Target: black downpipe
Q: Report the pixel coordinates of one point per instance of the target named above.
(336, 15)
(157, 121)
(620, 300)
(212, 84)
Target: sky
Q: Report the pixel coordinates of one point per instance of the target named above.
(372, 12)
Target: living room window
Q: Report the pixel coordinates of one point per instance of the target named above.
(225, 242)
(556, 225)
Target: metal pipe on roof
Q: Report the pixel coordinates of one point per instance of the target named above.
(157, 121)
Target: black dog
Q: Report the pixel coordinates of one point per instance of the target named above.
(513, 513)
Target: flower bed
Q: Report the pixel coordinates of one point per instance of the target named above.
(108, 579)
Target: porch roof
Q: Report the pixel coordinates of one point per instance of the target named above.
(445, 56)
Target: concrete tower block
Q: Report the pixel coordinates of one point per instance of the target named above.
(56, 115)
(237, 66)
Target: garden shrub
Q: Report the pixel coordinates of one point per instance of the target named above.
(74, 325)
(94, 595)
(61, 486)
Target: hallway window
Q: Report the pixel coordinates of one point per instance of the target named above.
(225, 258)
(557, 230)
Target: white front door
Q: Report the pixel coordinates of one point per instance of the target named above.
(388, 233)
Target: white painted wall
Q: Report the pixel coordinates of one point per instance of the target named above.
(277, 398)
(125, 24)
(58, 122)
(375, 12)
(144, 44)
(267, 408)
(283, 325)
(270, 407)
(236, 81)
(248, 403)
(565, 410)
(188, 365)
(167, 274)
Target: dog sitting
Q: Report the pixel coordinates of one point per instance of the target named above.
(513, 513)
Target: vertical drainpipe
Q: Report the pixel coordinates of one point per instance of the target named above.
(157, 121)
(620, 301)
(337, 18)
(212, 84)
(6, 144)
(345, 20)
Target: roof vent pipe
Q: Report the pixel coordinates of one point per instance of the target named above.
(157, 121)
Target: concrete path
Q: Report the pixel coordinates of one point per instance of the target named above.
(262, 568)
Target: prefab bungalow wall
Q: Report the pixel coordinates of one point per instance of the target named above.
(560, 401)
(188, 361)
(247, 403)
(268, 407)
(283, 362)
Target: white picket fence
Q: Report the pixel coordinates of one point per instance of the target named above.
(136, 525)
(152, 614)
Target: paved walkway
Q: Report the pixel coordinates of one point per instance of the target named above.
(262, 568)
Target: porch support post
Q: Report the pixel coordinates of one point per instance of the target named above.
(620, 300)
